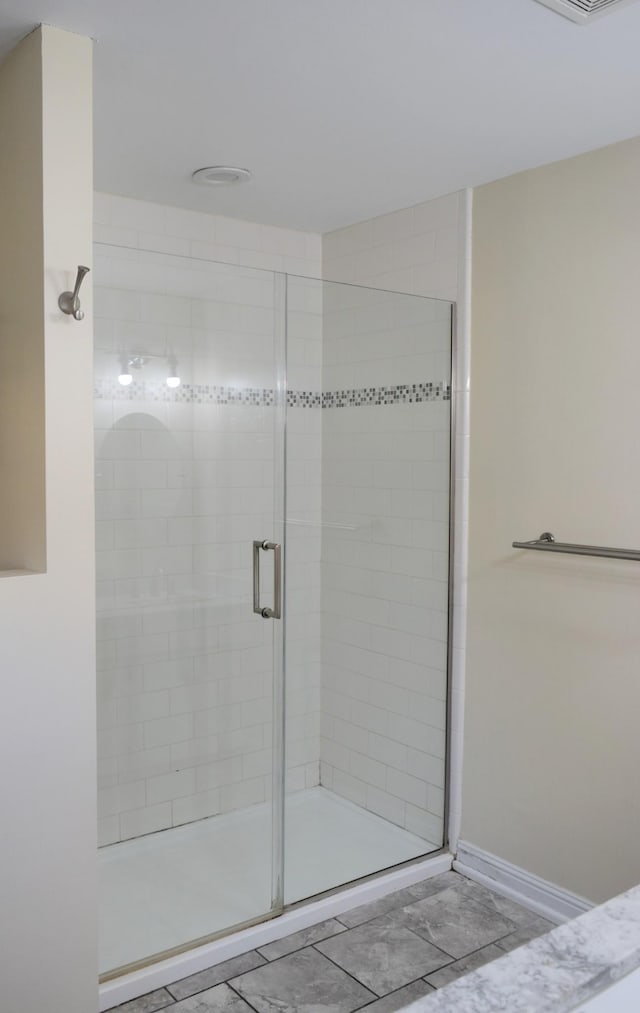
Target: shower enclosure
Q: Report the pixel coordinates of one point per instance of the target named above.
(273, 500)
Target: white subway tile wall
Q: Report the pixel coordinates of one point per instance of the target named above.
(384, 574)
(184, 483)
(415, 250)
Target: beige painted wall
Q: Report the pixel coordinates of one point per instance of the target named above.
(22, 527)
(552, 743)
(47, 653)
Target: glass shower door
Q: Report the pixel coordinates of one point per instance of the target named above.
(189, 407)
(369, 433)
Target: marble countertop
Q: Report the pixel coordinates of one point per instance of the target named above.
(554, 973)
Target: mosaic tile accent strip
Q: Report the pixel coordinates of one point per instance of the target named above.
(305, 399)
(402, 393)
(186, 393)
(264, 397)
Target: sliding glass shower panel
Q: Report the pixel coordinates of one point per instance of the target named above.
(369, 427)
(189, 405)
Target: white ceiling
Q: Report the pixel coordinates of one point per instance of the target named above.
(342, 109)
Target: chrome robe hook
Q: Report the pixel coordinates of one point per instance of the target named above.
(69, 302)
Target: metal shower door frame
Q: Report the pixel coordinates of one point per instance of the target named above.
(279, 616)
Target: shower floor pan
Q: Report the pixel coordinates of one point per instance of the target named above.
(166, 889)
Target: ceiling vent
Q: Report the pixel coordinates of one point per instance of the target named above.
(582, 11)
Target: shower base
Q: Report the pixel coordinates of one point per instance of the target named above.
(164, 890)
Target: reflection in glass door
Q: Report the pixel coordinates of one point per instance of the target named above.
(189, 416)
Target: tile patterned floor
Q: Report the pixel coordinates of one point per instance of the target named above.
(377, 957)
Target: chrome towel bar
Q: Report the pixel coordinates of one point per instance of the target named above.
(547, 543)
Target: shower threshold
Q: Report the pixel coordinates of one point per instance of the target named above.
(163, 890)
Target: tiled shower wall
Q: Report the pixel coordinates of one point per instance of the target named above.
(419, 250)
(385, 516)
(184, 484)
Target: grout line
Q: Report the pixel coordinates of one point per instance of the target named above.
(303, 946)
(397, 991)
(348, 973)
(385, 995)
(419, 977)
(399, 905)
(380, 914)
(239, 994)
(457, 960)
(225, 980)
(434, 987)
(114, 1009)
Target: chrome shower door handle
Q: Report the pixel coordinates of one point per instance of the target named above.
(275, 612)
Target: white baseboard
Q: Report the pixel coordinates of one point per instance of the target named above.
(130, 986)
(539, 895)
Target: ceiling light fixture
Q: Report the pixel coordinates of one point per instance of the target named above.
(220, 175)
(173, 380)
(127, 363)
(125, 377)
